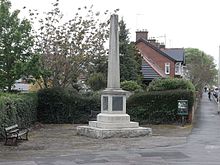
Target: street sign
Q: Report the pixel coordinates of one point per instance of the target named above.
(182, 107)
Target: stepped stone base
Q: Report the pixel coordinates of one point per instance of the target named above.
(101, 133)
(113, 125)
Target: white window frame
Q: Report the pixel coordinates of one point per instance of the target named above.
(178, 68)
(167, 68)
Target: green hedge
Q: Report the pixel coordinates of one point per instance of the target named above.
(130, 86)
(18, 109)
(57, 105)
(170, 84)
(157, 107)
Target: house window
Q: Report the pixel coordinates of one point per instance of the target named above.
(178, 69)
(167, 68)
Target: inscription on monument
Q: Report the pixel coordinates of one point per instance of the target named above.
(117, 103)
(105, 103)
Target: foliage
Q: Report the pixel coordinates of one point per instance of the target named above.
(18, 109)
(130, 61)
(201, 69)
(97, 81)
(170, 84)
(16, 44)
(70, 48)
(130, 85)
(58, 105)
(157, 106)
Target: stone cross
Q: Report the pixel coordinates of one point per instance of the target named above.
(113, 58)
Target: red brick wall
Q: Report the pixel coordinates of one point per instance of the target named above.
(155, 56)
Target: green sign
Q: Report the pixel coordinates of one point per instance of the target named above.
(182, 107)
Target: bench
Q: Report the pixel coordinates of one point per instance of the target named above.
(13, 133)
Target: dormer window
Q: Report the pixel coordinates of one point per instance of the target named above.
(167, 68)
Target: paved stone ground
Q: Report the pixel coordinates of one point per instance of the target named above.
(61, 140)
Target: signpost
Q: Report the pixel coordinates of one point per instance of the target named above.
(182, 110)
(219, 82)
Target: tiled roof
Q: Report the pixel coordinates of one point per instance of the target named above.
(175, 53)
(155, 48)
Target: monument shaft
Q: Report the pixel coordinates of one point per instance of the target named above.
(113, 58)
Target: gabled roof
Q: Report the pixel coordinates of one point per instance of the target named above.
(155, 48)
(175, 53)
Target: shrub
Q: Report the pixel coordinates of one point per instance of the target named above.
(18, 109)
(130, 85)
(58, 105)
(97, 81)
(157, 107)
(170, 84)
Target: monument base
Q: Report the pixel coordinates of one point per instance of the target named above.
(110, 133)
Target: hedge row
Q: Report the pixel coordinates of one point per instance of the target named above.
(158, 106)
(59, 105)
(170, 84)
(18, 109)
(64, 106)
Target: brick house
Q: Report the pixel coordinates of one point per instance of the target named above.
(158, 61)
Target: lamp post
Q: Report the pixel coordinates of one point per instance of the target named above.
(219, 81)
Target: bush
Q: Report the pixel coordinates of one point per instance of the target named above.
(130, 86)
(18, 109)
(58, 105)
(97, 81)
(157, 107)
(170, 84)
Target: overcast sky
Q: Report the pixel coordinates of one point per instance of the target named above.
(185, 23)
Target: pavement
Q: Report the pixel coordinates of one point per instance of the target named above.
(169, 145)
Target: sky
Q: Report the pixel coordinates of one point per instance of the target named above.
(178, 23)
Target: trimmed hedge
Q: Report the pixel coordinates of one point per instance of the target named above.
(158, 107)
(170, 84)
(130, 85)
(58, 105)
(18, 109)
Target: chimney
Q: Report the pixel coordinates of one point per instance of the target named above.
(142, 34)
(153, 42)
(162, 46)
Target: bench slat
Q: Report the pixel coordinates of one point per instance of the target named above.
(11, 127)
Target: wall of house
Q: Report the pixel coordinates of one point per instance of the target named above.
(159, 59)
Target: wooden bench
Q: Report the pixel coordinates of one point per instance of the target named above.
(13, 133)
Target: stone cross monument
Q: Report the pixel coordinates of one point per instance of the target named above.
(113, 120)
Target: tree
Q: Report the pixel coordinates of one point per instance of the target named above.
(129, 59)
(72, 48)
(201, 68)
(16, 44)
(97, 81)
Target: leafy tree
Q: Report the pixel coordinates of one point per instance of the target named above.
(16, 44)
(72, 48)
(97, 81)
(129, 59)
(201, 68)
